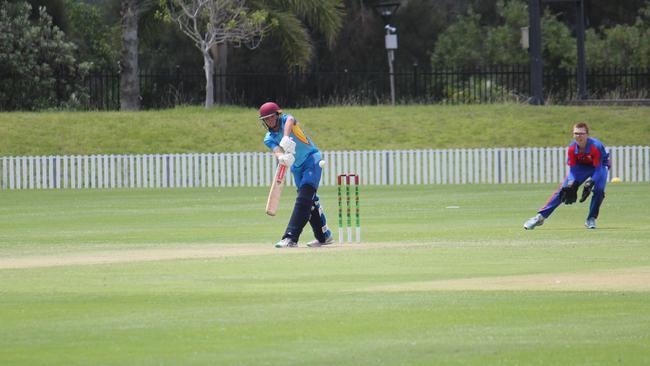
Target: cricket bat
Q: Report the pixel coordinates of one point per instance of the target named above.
(276, 190)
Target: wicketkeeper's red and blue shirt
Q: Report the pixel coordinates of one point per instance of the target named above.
(594, 158)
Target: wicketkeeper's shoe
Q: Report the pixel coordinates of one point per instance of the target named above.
(537, 220)
(286, 243)
(315, 243)
(590, 223)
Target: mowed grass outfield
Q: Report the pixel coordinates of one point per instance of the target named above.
(446, 275)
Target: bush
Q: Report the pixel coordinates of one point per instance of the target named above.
(38, 66)
(477, 89)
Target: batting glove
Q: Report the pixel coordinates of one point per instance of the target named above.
(287, 159)
(586, 189)
(288, 145)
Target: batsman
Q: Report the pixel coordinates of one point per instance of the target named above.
(295, 149)
(588, 163)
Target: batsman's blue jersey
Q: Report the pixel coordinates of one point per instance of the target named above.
(305, 147)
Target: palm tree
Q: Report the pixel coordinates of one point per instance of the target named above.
(294, 20)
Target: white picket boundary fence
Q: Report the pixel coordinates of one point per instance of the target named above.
(380, 167)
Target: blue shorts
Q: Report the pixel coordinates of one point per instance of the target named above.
(309, 172)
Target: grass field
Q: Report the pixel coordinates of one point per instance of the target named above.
(234, 129)
(178, 277)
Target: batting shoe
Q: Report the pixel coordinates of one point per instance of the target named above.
(286, 243)
(537, 220)
(590, 223)
(315, 243)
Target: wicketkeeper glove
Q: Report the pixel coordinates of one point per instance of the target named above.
(288, 145)
(569, 193)
(586, 189)
(287, 159)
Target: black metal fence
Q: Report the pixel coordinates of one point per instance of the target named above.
(296, 89)
(168, 89)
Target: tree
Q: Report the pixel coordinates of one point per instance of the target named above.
(360, 41)
(87, 30)
(418, 22)
(470, 43)
(129, 68)
(621, 45)
(56, 9)
(211, 22)
(301, 29)
(38, 66)
(461, 44)
(295, 20)
(598, 13)
(503, 41)
(558, 45)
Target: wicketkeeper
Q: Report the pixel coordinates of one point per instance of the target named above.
(295, 149)
(588, 165)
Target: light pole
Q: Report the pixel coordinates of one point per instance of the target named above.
(386, 9)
